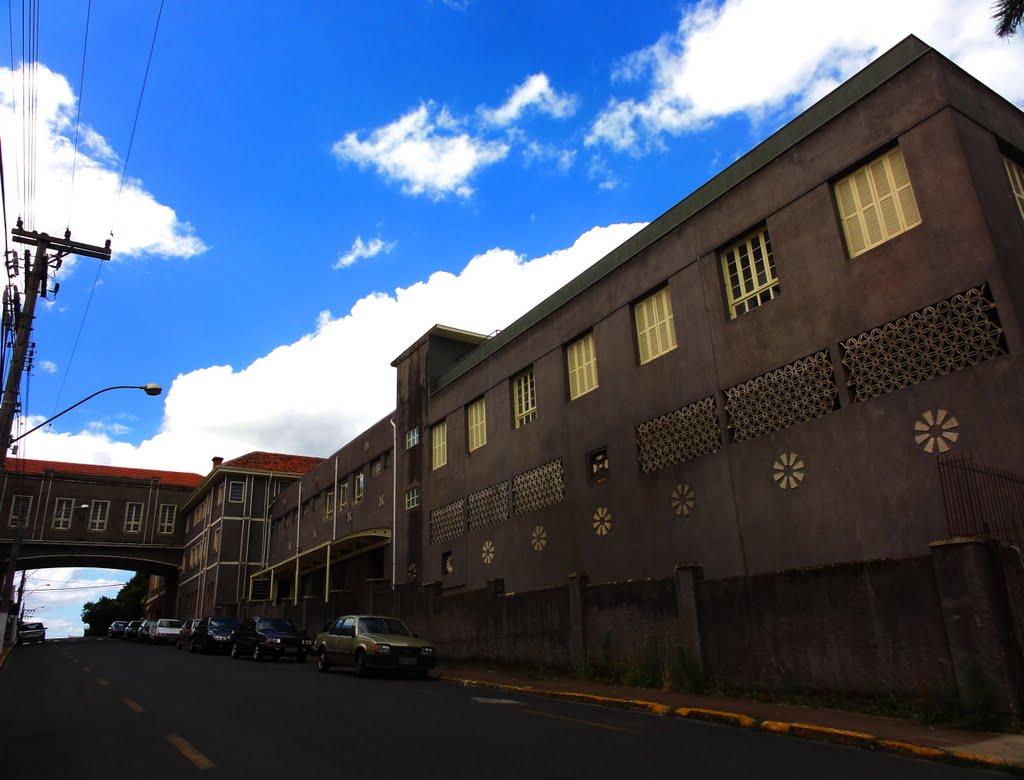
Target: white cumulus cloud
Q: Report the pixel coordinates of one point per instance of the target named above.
(425, 151)
(763, 57)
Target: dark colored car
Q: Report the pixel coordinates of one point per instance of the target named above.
(373, 643)
(131, 631)
(213, 635)
(31, 632)
(268, 637)
(117, 629)
(146, 631)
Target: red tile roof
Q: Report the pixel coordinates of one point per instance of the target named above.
(38, 467)
(273, 461)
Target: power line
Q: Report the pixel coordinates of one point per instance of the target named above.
(78, 118)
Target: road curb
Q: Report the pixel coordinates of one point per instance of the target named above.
(803, 730)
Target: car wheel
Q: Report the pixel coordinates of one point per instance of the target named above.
(360, 664)
(322, 664)
(256, 654)
(234, 651)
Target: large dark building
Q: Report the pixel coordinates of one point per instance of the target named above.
(761, 379)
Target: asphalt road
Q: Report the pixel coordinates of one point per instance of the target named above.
(95, 708)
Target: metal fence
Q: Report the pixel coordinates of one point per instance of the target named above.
(981, 500)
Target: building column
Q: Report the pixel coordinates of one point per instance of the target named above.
(577, 629)
(687, 577)
(974, 612)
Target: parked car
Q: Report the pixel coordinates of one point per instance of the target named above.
(164, 630)
(185, 633)
(146, 631)
(31, 632)
(117, 629)
(269, 637)
(131, 631)
(373, 643)
(213, 635)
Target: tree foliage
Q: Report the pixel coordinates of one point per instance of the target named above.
(126, 605)
(1008, 15)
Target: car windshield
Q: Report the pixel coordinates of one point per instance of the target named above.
(119, 624)
(276, 624)
(224, 624)
(169, 623)
(32, 626)
(377, 625)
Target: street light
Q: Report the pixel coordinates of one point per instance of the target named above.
(151, 389)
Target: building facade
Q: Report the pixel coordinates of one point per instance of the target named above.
(762, 379)
(227, 531)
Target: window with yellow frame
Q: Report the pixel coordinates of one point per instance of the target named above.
(748, 268)
(877, 203)
(476, 423)
(524, 398)
(439, 445)
(581, 363)
(655, 329)
(1016, 174)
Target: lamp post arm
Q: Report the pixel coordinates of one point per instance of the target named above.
(75, 406)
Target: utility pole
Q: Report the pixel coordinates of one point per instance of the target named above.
(37, 275)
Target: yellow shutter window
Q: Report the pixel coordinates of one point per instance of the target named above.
(439, 445)
(655, 330)
(1016, 174)
(876, 203)
(476, 418)
(581, 358)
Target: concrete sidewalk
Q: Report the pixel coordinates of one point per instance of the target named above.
(938, 743)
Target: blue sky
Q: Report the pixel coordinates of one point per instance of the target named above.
(312, 185)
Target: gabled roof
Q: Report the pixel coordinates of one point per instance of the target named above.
(273, 461)
(16, 466)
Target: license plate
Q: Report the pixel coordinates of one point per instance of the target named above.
(407, 661)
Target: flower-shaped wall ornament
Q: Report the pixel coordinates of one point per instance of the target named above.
(410, 573)
(488, 552)
(789, 470)
(683, 499)
(602, 521)
(539, 538)
(936, 431)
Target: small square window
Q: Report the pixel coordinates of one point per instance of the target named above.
(98, 515)
(412, 437)
(63, 509)
(360, 488)
(412, 498)
(168, 512)
(20, 508)
(343, 495)
(236, 492)
(748, 268)
(597, 467)
(133, 518)
(1016, 174)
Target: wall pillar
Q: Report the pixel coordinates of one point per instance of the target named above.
(171, 593)
(577, 621)
(977, 624)
(687, 577)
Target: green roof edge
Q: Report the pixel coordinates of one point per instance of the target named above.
(876, 73)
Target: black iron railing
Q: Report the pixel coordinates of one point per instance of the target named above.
(981, 500)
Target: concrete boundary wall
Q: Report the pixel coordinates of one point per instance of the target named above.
(948, 624)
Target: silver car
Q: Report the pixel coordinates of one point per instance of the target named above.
(31, 632)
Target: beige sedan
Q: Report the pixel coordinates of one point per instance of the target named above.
(372, 643)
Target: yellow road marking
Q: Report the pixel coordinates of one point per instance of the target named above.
(581, 722)
(101, 681)
(133, 705)
(193, 755)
